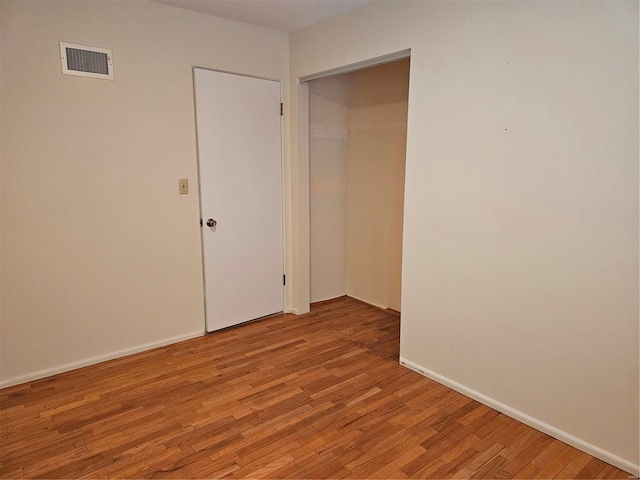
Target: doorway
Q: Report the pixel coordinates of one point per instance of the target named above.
(357, 129)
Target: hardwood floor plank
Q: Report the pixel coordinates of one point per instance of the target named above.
(610, 472)
(474, 462)
(315, 396)
(580, 461)
(520, 462)
(391, 469)
(489, 469)
(555, 465)
(529, 471)
(545, 458)
(594, 467)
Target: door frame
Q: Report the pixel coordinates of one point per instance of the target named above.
(300, 192)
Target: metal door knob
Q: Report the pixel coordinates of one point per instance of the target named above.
(211, 222)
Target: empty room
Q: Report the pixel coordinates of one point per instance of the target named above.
(203, 277)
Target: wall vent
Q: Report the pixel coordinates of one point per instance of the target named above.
(84, 61)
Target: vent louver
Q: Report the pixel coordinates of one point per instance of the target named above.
(84, 61)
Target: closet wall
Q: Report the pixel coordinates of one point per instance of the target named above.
(328, 146)
(358, 125)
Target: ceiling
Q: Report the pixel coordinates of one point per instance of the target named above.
(281, 15)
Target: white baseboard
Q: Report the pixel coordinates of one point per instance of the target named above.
(94, 360)
(328, 298)
(383, 307)
(586, 447)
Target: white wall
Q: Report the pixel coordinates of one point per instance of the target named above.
(100, 255)
(328, 147)
(520, 266)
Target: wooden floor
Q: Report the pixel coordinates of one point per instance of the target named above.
(316, 396)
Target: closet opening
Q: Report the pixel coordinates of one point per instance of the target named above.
(357, 146)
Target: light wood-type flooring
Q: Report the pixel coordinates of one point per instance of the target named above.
(315, 396)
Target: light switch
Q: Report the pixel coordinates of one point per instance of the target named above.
(183, 186)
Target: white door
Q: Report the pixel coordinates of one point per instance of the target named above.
(240, 161)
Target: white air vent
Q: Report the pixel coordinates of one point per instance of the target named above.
(86, 61)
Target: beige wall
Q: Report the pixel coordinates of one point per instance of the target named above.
(520, 258)
(100, 255)
(377, 143)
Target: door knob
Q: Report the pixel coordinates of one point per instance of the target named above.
(211, 223)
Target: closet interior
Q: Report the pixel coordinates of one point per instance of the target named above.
(358, 131)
